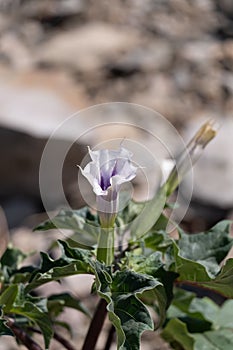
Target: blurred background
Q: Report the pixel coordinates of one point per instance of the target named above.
(60, 56)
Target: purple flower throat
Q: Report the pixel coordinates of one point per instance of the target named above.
(105, 177)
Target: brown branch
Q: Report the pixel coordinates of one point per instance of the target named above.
(63, 341)
(57, 337)
(95, 326)
(23, 336)
(110, 338)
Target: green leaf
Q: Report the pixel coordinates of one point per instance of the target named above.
(223, 283)
(82, 222)
(176, 333)
(4, 330)
(204, 307)
(38, 316)
(195, 312)
(128, 314)
(153, 265)
(12, 258)
(157, 240)
(207, 248)
(192, 312)
(129, 213)
(223, 318)
(220, 317)
(8, 297)
(196, 272)
(73, 261)
(196, 259)
(57, 302)
(221, 339)
(149, 214)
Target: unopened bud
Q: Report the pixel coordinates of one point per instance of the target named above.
(205, 134)
(190, 155)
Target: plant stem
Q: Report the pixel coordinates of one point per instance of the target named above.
(23, 336)
(63, 341)
(105, 250)
(95, 326)
(109, 338)
(57, 337)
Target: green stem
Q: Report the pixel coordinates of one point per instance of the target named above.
(105, 249)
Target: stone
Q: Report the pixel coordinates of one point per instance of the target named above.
(46, 9)
(202, 52)
(226, 6)
(37, 101)
(20, 155)
(228, 54)
(145, 58)
(15, 52)
(87, 48)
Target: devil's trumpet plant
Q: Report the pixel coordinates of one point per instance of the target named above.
(142, 275)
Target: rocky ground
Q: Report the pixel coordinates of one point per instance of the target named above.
(60, 56)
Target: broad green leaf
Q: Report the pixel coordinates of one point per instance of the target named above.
(176, 333)
(193, 263)
(128, 214)
(82, 222)
(128, 314)
(12, 258)
(157, 240)
(221, 317)
(57, 302)
(204, 307)
(196, 272)
(207, 248)
(223, 283)
(187, 269)
(8, 297)
(142, 263)
(149, 215)
(221, 339)
(191, 311)
(37, 316)
(195, 312)
(73, 261)
(153, 265)
(15, 301)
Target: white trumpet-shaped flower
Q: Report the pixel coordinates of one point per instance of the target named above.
(106, 172)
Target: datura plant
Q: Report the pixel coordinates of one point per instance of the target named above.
(141, 274)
